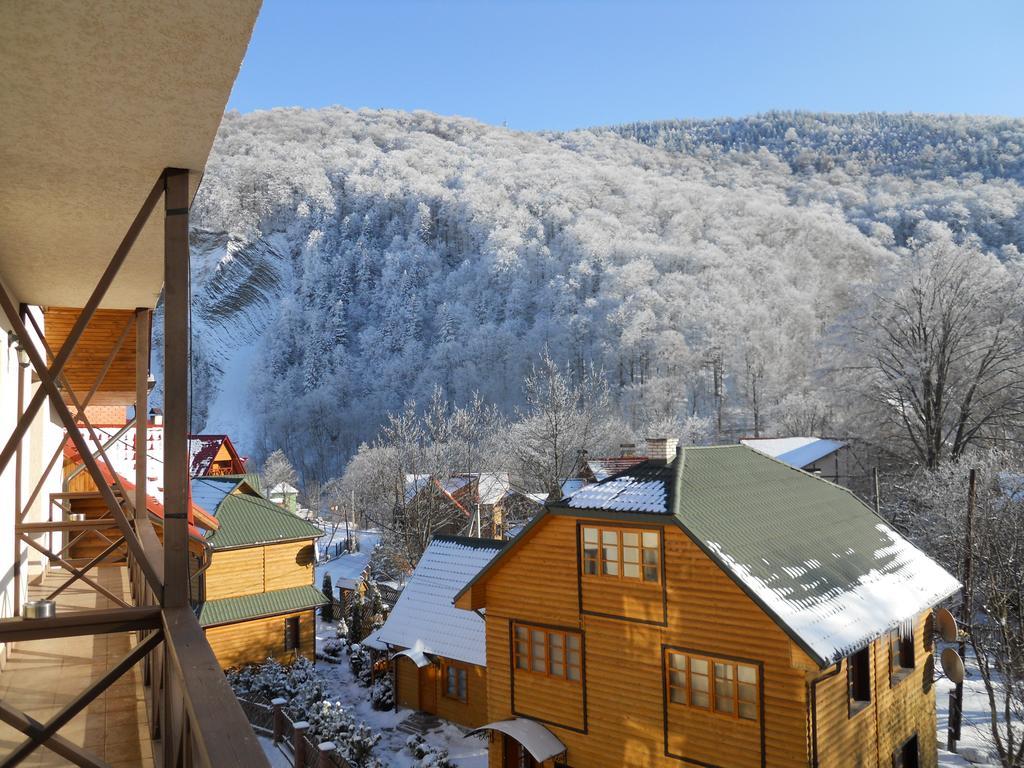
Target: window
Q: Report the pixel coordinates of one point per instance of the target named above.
(901, 653)
(725, 687)
(550, 652)
(622, 553)
(291, 633)
(906, 755)
(859, 679)
(456, 682)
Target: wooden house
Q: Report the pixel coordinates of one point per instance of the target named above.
(438, 652)
(211, 455)
(256, 599)
(710, 607)
(474, 501)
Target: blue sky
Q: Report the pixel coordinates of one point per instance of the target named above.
(559, 64)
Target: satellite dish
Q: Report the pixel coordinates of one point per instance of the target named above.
(947, 625)
(953, 665)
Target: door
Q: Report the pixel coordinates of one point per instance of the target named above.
(428, 689)
(906, 755)
(516, 756)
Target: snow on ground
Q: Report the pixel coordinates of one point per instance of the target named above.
(346, 570)
(976, 743)
(275, 756)
(465, 751)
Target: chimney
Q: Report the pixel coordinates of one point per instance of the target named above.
(662, 449)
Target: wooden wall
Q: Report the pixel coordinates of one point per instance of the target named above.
(92, 350)
(423, 688)
(253, 570)
(896, 712)
(251, 642)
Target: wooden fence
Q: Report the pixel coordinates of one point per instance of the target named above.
(268, 718)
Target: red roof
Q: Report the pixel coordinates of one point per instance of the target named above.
(154, 507)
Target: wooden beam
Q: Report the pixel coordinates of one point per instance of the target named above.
(96, 560)
(37, 735)
(100, 622)
(66, 749)
(83, 320)
(176, 363)
(142, 341)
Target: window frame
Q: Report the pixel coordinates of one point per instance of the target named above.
(712, 678)
(620, 563)
(901, 645)
(529, 656)
(460, 670)
(855, 679)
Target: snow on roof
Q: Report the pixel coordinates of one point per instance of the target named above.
(346, 570)
(202, 450)
(425, 618)
(493, 487)
(414, 484)
(209, 492)
(456, 483)
(798, 452)
(538, 740)
(570, 485)
(283, 489)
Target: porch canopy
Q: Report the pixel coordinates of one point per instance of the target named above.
(415, 655)
(97, 99)
(535, 738)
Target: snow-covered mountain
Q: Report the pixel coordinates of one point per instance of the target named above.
(347, 261)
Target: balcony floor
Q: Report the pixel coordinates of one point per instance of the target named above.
(42, 676)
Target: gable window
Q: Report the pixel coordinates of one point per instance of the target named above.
(291, 633)
(456, 682)
(859, 679)
(550, 652)
(901, 652)
(622, 553)
(702, 682)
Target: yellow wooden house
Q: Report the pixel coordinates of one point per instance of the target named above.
(709, 607)
(438, 654)
(256, 599)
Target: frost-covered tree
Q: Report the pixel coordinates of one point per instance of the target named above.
(278, 469)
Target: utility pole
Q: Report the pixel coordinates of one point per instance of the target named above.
(348, 540)
(956, 698)
(878, 495)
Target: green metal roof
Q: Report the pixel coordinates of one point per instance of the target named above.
(816, 559)
(228, 610)
(247, 520)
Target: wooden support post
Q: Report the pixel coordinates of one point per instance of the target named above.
(956, 698)
(176, 362)
(325, 750)
(278, 705)
(17, 485)
(142, 318)
(299, 743)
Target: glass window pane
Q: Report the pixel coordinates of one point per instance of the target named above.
(574, 673)
(677, 678)
(631, 571)
(699, 699)
(521, 662)
(611, 561)
(699, 666)
(538, 638)
(650, 539)
(590, 535)
(699, 683)
(574, 658)
(650, 557)
(724, 671)
(574, 642)
(521, 633)
(748, 711)
(630, 554)
(555, 638)
(724, 704)
(650, 573)
(748, 692)
(747, 674)
(630, 539)
(678, 695)
(610, 537)
(590, 565)
(557, 669)
(557, 655)
(677, 661)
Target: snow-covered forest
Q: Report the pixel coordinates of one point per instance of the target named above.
(348, 261)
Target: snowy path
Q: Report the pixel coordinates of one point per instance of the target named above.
(466, 752)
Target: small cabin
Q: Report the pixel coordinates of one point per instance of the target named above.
(438, 653)
(257, 598)
(709, 606)
(824, 457)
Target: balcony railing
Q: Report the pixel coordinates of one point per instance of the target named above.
(194, 718)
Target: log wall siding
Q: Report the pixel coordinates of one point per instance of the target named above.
(86, 363)
(628, 721)
(895, 714)
(252, 642)
(236, 572)
(288, 565)
(412, 681)
(407, 681)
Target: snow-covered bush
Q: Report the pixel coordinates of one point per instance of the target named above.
(341, 630)
(382, 695)
(330, 721)
(361, 663)
(428, 755)
(333, 649)
(298, 683)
